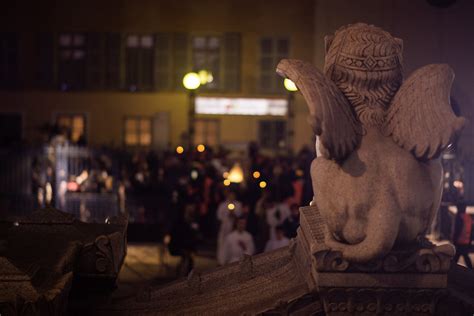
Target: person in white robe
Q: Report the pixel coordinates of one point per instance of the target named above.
(238, 243)
(227, 212)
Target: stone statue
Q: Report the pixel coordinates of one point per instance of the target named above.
(378, 178)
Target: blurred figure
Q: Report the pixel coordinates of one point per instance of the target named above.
(462, 234)
(183, 241)
(276, 214)
(237, 243)
(280, 240)
(291, 224)
(227, 212)
(263, 231)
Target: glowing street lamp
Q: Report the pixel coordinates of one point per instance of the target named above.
(205, 77)
(290, 85)
(191, 81)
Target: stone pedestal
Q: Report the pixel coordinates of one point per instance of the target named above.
(405, 282)
(48, 254)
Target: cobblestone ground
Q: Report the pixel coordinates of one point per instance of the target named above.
(150, 264)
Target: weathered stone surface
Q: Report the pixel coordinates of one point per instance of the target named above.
(42, 253)
(377, 178)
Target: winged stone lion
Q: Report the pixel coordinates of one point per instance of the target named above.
(377, 179)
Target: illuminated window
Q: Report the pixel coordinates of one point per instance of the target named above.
(73, 126)
(272, 50)
(8, 60)
(71, 61)
(139, 62)
(138, 131)
(206, 131)
(272, 134)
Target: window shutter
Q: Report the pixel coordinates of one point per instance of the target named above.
(95, 61)
(46, 71)
(146, 72)
(180, 58)
(231, 62)
(272, 50)
(132, 68)
(163, 62)
(282, 46)
(113, 61)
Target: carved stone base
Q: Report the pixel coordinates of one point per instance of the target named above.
(48, 253)
(404, 282)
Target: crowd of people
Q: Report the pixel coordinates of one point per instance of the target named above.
(193, 198)
(201, 202)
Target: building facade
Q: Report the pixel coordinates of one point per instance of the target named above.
(110, 73)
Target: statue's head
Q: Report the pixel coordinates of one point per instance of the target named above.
(365, 62)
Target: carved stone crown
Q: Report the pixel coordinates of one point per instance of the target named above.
(368, 63)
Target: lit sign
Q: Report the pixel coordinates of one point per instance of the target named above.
(241, 106)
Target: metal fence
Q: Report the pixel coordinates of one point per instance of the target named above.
(31, 177)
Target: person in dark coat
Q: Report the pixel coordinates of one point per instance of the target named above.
(184, 238)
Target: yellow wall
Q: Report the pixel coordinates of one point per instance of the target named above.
(106, 110)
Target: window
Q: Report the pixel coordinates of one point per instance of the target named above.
(73, 125)
(272, 50)
(219, 55)
(206, 55)
(206, 132)
(71, 61)
(272, 134)
(139, 53)
(10, 128)
(8, 60)
(137, 131)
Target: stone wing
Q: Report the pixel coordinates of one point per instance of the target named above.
(420, 118)
(331, 115)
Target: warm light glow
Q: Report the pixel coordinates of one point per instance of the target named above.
(290, 85)
(191, 81)
(179, 150)
(82, 177)
(231, 206)
(226, 182)
(236, 174)
(299, 172)
(201, 148)
(205, 76)
(225, 175)
(458, 184)
(256, 174)
(202, 76)
(241, 106)
(262, 184)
